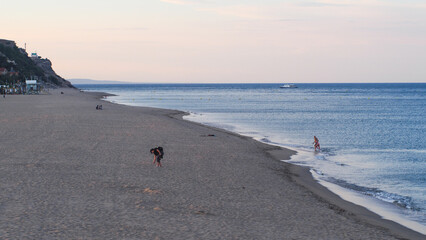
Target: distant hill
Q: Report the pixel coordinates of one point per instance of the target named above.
(91, 81)
(17, 66)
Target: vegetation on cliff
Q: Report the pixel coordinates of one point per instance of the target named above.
(19, 67)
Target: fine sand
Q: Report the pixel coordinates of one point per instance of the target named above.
(69, 171)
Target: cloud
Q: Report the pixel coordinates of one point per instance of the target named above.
(241, 11)
(127, 29)
(292, 10)
(286, 20)
(321, 4)
(178, 2)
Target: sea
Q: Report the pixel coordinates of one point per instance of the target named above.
(372, 135)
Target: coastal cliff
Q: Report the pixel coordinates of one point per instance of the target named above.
(16, 66)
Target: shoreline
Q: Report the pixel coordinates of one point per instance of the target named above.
(88, 175)
(369, 203)
(302, 175)
(383, 209)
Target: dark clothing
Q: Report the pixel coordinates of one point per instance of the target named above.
(158, 155)
(156, 152)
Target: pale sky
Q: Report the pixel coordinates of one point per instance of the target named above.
(188, 41)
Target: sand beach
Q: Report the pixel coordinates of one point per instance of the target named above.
(69, 171)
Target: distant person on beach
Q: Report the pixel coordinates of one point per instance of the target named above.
(316, 143)
(158, 155)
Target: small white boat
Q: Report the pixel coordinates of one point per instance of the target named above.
(288, 86)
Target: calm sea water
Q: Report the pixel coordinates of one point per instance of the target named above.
(371, 135)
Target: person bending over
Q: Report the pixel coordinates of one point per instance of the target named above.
(157, 156)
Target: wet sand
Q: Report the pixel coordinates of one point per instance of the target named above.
(69, 171)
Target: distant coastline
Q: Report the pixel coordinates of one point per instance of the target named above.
(91, 81)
